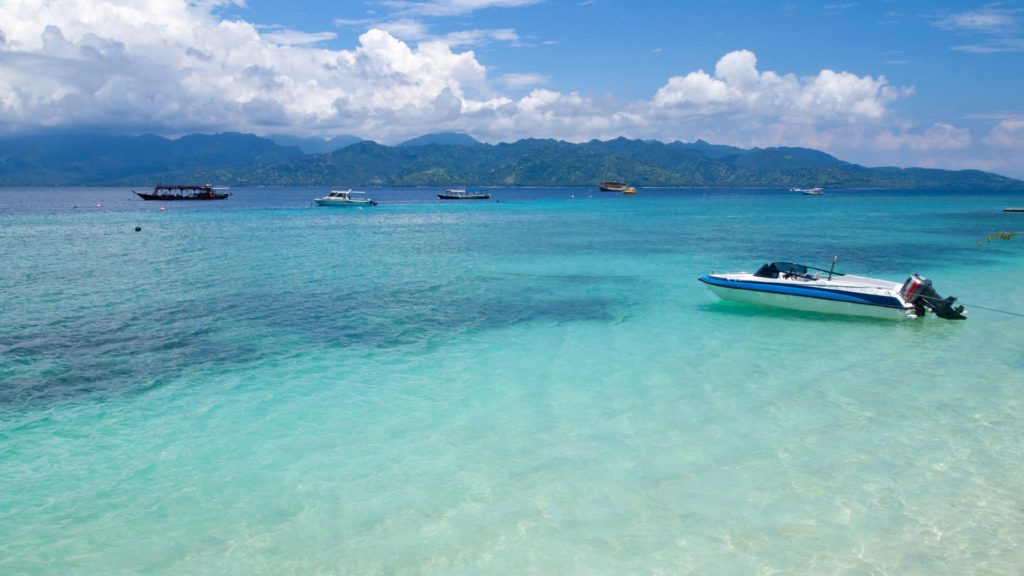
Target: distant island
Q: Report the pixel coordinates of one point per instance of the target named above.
(448, 159)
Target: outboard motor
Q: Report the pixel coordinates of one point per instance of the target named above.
(918, 291)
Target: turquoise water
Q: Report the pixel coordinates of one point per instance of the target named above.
(533, 385)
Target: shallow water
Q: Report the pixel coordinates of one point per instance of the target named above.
(535, 384)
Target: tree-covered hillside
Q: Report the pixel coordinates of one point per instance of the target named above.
(247, 160)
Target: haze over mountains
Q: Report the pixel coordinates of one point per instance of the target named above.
(447, 159)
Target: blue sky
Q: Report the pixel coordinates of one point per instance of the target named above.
(904, 83)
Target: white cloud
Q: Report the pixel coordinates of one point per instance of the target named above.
(285, 37)
(739, 89)
(938, 137)
(1008, 133)
(452, 7)
(172, 67)
(999, 27)
(988, 20)
(405, 29)
(413, 30)
(478, 37)
(525, 80)
(993, 46)
(697, 89)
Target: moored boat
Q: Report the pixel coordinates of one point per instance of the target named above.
(809, 191)
(184, 192)
(613, 186)
(801, 287)
(344, 198)
(463, 194)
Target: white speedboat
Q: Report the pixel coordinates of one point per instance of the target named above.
(344, 198)
(800, 287)
(809, 191)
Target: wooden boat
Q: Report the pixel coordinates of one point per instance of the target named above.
(463, 194)
(184, 192)
(613, 186)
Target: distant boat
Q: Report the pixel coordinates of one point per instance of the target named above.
(344, 198)
(613, 186)
(629, 190)
(1013, 209)
(808, 191)
(184, 192)
(463, 194)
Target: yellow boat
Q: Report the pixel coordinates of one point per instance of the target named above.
(629, 190)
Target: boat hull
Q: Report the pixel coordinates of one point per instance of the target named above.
(809, 299)
(466, 197)
(344, 203)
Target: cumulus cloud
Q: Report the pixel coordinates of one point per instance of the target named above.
(738, 88)
(170, 66)
(1008, 133)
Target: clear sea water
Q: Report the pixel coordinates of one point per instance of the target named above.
(532, 385)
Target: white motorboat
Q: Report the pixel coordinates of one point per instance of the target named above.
(809, 191)
(344, 198)
(800, 287)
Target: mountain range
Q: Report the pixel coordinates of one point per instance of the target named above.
(447, 159)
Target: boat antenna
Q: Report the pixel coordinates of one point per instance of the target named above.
(834, 260)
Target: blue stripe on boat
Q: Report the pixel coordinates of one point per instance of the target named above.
(838, 295)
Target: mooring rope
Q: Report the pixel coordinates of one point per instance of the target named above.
(968, 304)
(992, 309)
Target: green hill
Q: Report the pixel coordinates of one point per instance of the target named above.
(445, 160)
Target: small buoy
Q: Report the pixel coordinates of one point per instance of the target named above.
(138, 228)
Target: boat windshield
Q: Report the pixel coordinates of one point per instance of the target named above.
(773, 269)
(790, 267)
